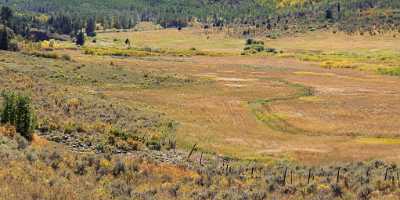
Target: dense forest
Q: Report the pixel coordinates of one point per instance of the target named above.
(255, 17)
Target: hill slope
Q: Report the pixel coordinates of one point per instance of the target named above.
(281, 15)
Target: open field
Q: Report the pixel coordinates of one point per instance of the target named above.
(265, 107)
(254, 117)
(175, 39)
(379, 54)
(199, 99)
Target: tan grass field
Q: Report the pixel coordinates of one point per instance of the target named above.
(174, 39)
(252, 107)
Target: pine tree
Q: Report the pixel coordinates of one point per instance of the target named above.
(8, 112)
(6, 14)
(17, 111)
(24, 122)
(4, 39)
(91, 27)
(80, 39)
(329, 14)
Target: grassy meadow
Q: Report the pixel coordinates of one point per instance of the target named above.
(260, 106)
(316, 119)
(261, 94)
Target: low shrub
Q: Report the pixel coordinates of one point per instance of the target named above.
(80, 168)
(338, 65)
(119, 168)
(153, 145)
(117, 132)
(255, 46)
(66, 57)
(337, 190)
(13, 46)
(254, 42)
(271, 50)
(51, 55)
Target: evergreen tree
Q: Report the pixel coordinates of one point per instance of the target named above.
(329, 14)
(6, 14)
(17, 111)
(64, 23)
(4, 39)
(24, 122)
(91, 27)
(117, 23)
(80, 39)
(8, 112)
(124, 22)
(66, 16)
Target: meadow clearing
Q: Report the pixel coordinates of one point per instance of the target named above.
(120, 121)
(289, 105)
(199, 99)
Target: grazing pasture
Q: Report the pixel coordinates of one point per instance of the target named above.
(192, 114)
(265, 106)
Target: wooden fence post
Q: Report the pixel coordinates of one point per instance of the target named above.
(291, 177)
(386, 173)
(338, 175)
(309, 176)
(284, 176)
(191, 151)
(201, 158)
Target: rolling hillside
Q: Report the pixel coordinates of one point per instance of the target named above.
(199, 99)
(272, 16)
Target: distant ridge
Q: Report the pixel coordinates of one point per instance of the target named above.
(273, 17)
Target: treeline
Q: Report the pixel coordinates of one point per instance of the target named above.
(268, 17)
(349, 16)
(126, 13)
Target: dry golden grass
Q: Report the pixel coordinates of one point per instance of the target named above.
(174, 39)
(378, 54)
(8, 131)
(269, 109)
(218, 114)
(328, 41)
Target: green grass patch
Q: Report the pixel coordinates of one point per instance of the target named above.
(393, 71)
(146, 51)
(381, 61)
(388, 141)
(276, 121)
(45, 54)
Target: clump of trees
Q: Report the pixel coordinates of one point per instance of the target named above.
(6, 34)
(18, 111)
(5, 15)
(255, 46)
(7, 39)
(270, 18)
(32, 26)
